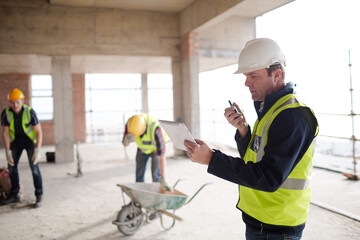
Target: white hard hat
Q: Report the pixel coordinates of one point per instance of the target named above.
(258, 54)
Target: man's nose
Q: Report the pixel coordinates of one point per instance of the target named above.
(247, 82)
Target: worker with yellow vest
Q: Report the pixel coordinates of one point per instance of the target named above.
(150, 139)
(274, 168)
(21, 130)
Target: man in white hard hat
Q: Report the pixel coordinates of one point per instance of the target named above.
(21, 130)
(274, 169)
(150, 139)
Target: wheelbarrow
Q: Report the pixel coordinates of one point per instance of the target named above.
(147, 202)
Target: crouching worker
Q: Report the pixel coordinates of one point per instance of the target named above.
(21, 130)
(150, 139)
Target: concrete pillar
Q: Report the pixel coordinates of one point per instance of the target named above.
(177, 95)
(63, 108)
(190, 82)
(144, 93)
(177, 89)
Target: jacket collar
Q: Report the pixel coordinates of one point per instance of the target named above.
(12, 110)
(271, 99)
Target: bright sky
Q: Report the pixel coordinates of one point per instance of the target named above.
(316, 36)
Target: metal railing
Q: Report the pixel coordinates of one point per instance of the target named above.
(353, 138)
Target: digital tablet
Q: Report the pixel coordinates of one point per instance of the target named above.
(178, 132)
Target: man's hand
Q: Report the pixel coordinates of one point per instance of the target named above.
(36, 156)
(200, 152)
(237, 119)
(128, 138)
(9, 157)
(165, 186)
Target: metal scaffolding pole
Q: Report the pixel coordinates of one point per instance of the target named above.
(352, 176)
(352, 114)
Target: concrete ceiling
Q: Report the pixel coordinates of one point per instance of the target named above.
(38, 64)
(144, 5)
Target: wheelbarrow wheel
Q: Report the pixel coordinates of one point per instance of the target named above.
(132, 214)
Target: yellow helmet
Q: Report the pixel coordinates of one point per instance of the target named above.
(136, 125)
(15, 94)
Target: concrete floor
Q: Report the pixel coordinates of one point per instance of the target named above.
(84, 207)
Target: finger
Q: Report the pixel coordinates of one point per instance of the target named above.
(228, 109)
(238, 108)
(188, 149)
(189, 144)
(234, 116)
(191, 147)
(237, 119)
(199, 141)
(228, 113)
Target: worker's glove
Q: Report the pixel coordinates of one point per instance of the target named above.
(128, 139)
(9, 157)
(164, 186)
(36, 156)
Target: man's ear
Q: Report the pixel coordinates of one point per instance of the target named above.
(277, 74)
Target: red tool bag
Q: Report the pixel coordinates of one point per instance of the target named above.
(5, 184)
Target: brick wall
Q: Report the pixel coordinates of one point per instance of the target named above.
(78, 84)
(10, 81)
(47, 128)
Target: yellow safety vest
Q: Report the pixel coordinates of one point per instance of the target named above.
(27, 127)
(289, 205)
(146, 143)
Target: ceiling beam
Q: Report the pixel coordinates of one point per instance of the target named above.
(202, 11)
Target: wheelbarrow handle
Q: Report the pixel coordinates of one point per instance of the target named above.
(197, 192)
(177, 182)
(172, 215)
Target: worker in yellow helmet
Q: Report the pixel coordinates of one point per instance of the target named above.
(21, 130)
(150, 139)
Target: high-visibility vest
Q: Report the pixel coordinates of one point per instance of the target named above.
(289, 205)
(26, 125)
(146, 143)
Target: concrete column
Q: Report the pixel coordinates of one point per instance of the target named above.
(63, 108)
(177, 95)
(177, 89)
(190, 82)
(144, 93)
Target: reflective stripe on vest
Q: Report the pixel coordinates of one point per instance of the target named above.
(150, 145)
(290, 183)
(260, 153)
(288, 205)
(147, 142)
